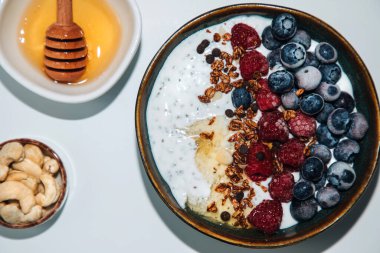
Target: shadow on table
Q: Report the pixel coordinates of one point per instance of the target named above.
(202, 243)
(20, 234)
(62, 110)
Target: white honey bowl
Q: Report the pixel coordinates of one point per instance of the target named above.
(20, 69)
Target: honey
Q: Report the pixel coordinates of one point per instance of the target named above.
(97, 19)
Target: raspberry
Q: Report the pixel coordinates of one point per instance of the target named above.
(290, 168)
(244, 36)
(253, 63)
(259, 162)
(272, 127)
(291, 153)
(267, 216)
(264, 83)
(267, 100)
(302, 125)
(281, 187)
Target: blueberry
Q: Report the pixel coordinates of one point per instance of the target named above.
(303, 189)
(303, 210)
(293, 55)
(312, 104)
(268, 40)
(338, 121)
(312, 169)
(331, 73)
(311, 60)
(321, 151)
(290, 100)
(280, 81)
(328, 197)
(346, 150)
(358, 127)
(325, 137)
(284, 26)
(320, 183)
(326, 53)
(302, 38)
(241, 97)
(345, 101)
(328, 91)
(341, 175)
(274, 58)
(308, 78)
(324, 114)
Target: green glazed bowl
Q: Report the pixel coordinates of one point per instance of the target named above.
(367, 103)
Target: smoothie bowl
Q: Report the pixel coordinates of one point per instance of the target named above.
(251, 121)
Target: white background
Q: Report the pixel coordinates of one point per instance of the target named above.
(112, 206)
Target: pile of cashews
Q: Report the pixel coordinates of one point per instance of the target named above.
(28, 183)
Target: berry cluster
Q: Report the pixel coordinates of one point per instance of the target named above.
(304, 82)
(300, 91)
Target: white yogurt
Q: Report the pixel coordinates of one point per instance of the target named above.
(174, 105)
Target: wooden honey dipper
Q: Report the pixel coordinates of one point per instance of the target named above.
(65, 47)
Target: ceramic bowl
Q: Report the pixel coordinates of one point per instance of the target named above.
(367, 103)
(61, 178)
(32, 78)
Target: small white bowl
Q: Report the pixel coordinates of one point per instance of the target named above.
(15, 63)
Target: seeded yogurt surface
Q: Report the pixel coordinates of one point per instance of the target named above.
(173, 106)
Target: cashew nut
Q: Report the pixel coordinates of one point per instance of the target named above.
(24, 178)
(10, 152)
(4, 169)
(58, 187)
(34, 153)
(29, 167)
(40, 188)
(13, 215)
(13, 190)
(51, 191)
(50, 165)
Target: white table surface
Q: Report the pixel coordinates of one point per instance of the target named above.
(112, 206)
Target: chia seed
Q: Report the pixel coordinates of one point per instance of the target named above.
(243, 149)
(260, 156)
(254, 107)
(216, 52)
(210, 58)
(239, 196)
(229, 113)
(225, 216)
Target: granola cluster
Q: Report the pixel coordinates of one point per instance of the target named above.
(223, 75)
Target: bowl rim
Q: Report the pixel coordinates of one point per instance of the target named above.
(140, 120)
(107, 85)
(64, 191)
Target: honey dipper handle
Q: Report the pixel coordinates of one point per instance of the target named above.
(64, 12)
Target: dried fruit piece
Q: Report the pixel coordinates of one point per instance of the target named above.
(281, 187)
(267, 216)
(272, 127)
